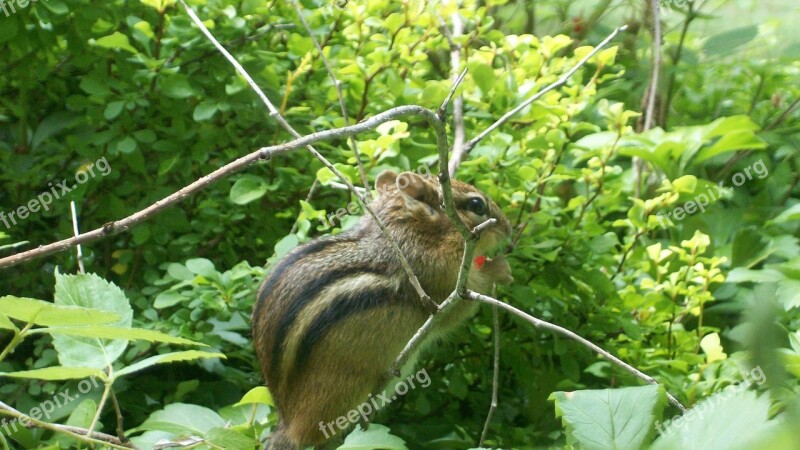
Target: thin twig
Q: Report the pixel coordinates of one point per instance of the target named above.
(639, 164)
(424, 297)
(651, 100)
(495, 374)
(120, 418)
(558, 83)
(339, 94)
(459, 133)
(80, 434)
(538, 323)
(76, 233)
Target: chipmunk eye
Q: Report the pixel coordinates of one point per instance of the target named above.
(476, 205)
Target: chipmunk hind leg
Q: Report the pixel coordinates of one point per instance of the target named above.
(279, 439)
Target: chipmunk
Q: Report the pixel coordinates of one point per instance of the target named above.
(334, 314)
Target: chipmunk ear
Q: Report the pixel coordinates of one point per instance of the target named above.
(418, 193)
(386, 180)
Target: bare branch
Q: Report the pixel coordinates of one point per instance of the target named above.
(538, 323)
(121, 225)
(558, 83)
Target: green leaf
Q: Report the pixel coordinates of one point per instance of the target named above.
(728, 419)
(167, 299)
(89, 290)
(726, 42)
(483, 74)
(177, 86)
(45, 313)
(83, 414)
(247, 189)
(610, 418)
(258, 394)
(113, 109)
(56, 7)
(201, 266)
(160, 5)
(230, 439)
(116, 41)
(204, 110)
(182, 418)
(189, 355)
(57, 373)
(6, 324)
(734, 141)
(788, 215)
(127, 145)
(377, 436)
(788, 294)
(129, 334)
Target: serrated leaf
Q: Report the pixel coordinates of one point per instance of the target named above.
(89, 290)
(130, 334)
(788, 215)
(611, 418)
(189, 355)
(726, 420)
(57, 373)
(48, 314)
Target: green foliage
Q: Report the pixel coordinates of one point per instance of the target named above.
(698, 301)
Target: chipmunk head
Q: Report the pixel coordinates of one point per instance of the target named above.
(410, 202)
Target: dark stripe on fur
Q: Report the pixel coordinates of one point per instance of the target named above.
(285, 263)
(343, 306)
(308, 294)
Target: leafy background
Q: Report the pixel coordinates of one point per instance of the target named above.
(696, 304)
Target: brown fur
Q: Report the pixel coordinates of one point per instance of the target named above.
(335, 313)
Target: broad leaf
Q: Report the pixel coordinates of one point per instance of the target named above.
(610, 418)
(182, 418)
(89, 290)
